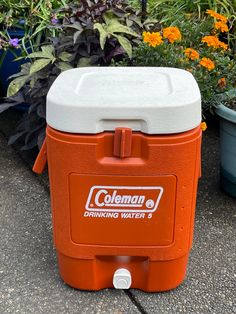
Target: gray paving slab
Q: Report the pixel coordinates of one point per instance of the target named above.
(210, 286)
(29, 280)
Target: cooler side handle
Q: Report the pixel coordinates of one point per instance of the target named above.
(41, 160)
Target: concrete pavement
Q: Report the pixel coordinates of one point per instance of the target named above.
(28, 271)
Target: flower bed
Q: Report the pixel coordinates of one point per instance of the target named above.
(197, 48)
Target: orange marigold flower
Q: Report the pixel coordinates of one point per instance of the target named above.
(191, 53)
(223, 45)
(222, 82)
(172, 33)
(203, 126)
(207, 63)
(216, 15)
(213, 41)
(152, 39)
(221, 26)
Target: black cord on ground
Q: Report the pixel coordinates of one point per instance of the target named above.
(135, 302)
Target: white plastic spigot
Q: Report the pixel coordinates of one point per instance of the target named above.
(122, 279)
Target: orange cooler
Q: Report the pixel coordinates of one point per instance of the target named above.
(123, 151)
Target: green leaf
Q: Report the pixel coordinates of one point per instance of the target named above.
(129, 23)
(150, 21)
(48, 51)
(84, 62)
(39, 65)
(38, 54)
(65, 56)
(103, 34)
(25, 68)
(231, 94)
(20, 58)
(63, 66)
(108, 16)
(16, 85)
(136, 19)
(125, 44)
(115, 26)
(33, 80)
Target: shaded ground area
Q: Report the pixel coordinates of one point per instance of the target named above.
(28, 272)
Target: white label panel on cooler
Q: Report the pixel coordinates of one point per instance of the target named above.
(124, 198)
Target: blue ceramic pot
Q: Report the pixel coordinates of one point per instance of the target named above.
(9, 67)
(227, 149)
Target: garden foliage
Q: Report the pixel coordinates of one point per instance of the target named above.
(197, 48)
(172, 11)
(93, 33)
(38, 19)
(105, 33)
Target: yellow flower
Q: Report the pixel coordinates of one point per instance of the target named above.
(213, 41)
(216, 15)
(207, 63)
(222, 82)
(191, 53)
(203, 126)
(172, 34)
(152, 39)
(221, 26)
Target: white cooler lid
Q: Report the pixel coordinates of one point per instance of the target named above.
(148, 99)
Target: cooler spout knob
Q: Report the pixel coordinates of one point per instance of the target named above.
(122, 279)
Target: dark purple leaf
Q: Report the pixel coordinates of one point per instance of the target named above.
(41, 138)
(18, 98)
(31, 144)
(41, 111)
(115, 52)
(15, 137)
(6, 106)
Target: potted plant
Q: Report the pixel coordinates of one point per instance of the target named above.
(227, 115)
(9, 50)
(94, 33)
(23, 25)
(201, 46)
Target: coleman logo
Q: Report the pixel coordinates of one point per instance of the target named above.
(124, 198)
